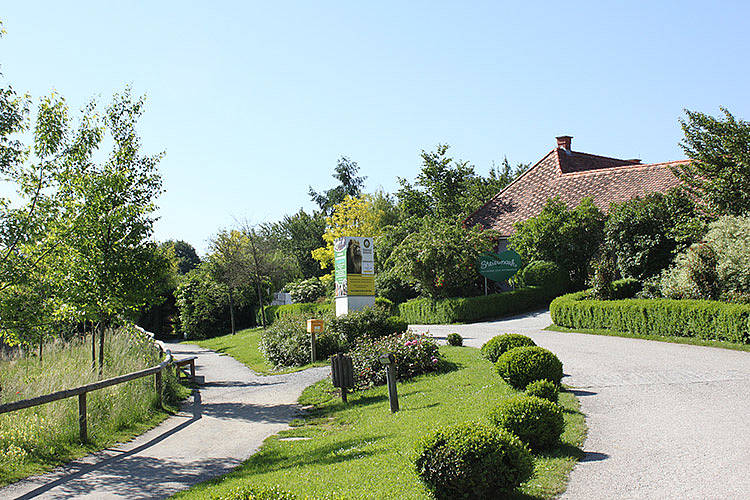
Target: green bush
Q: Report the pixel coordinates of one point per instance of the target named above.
(287, 342)
(426, 311)
(496, 346)
(625, 288)
(538, 422)
(389, 285)
(309, 290)
(703, 319)
(309, 309)
(386, 305)
(248, 492)
(370, 322)
(415, 354)
(543, 389)
(455, 339)
(523, 365)
(546, 274)
(472, 460)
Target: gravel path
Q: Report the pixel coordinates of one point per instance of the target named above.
(665, 420)
(219, 427)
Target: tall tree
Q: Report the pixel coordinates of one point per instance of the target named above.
(185, 254)
(350, 184)
(299, 234)
(719, 173)
(230, 264)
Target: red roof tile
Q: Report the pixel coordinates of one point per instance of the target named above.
(572, 176)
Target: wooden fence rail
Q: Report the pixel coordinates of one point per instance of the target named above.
(82, 390)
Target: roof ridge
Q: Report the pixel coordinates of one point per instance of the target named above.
(633, 161)
(629, 167)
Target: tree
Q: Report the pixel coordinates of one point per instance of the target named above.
(230, 264)
(185, 254)
(351, 217)
(350, 184)
(569, 238)
(719, 173)
(643, 234)
(109, 265)
(299, 235)
(441, 258)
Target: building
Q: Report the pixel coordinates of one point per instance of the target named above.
(571, 176)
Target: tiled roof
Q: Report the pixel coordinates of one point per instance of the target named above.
(572, 176)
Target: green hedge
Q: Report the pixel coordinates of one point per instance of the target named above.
(704, 319)
(311, 308)
(426, 311)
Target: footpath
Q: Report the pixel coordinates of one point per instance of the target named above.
(665, 420)
(221, 425)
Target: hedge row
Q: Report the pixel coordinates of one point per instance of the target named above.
(704, 319)
(426, 311)
(311, 308)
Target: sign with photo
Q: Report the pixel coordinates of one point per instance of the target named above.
(354, 266)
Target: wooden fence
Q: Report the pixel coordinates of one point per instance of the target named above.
(84, 389)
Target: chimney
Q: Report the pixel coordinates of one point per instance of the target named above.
(563, 142)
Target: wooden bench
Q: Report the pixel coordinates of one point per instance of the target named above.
(182, 366)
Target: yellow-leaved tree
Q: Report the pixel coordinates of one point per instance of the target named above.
(355, 216)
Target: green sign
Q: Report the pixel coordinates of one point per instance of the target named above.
(499, 267)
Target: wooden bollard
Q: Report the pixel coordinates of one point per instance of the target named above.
(389, 360)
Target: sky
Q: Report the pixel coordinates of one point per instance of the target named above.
(253, 102)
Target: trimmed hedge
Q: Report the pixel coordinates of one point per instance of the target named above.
(427, 311)
(523, 365)
(538, 422)
(307, 308)
(500, 344)
(703, 319)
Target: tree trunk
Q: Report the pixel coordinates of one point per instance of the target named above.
(262, 309)
(231, 308)
(101, 348)
(93, 345)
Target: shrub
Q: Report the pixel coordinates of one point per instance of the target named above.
(458, 310)
(472, 460)
(247, 492)
(523, 365)
(308, 290)
(716, 268)
(496, 346)
(543, 389)
(390, 286)
(546, 274)
(625, 288)
(386, 305)
(455, 339)
(287, 342)
(538, 422)
(415, 354)
(704, 319)
(370, 322)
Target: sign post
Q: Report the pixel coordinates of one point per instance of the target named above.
(354, 268)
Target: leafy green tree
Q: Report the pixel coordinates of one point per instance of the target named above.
(230, 264)
(644, 234)
(299, 234)
(185, 255)
(569, 238)
(350, 184)
(441, 258)
(719, 173)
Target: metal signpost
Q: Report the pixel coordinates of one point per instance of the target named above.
(498, 266)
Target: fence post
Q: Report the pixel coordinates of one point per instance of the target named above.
(82, 431)
(157, 383)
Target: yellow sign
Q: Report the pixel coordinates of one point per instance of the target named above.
(315, 326)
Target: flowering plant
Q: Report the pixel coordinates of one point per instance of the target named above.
(415, 354)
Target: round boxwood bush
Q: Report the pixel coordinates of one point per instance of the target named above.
(496, 346)
(545, 274)
(536, 421)
(472, 460)
(543, 389)
(523, 365)
(455, 339)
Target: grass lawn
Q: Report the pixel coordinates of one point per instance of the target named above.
(660, 338)
(361, 450)
(243, 346)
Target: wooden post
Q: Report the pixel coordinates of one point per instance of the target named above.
(392, 392)
(313, 354)
(485, 285)
(157, 383)
(343, 394)
(82, 431)
(192, 370)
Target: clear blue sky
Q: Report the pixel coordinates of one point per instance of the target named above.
(253, 102)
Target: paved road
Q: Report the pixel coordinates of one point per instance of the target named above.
(223, 424)
(665, 420)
